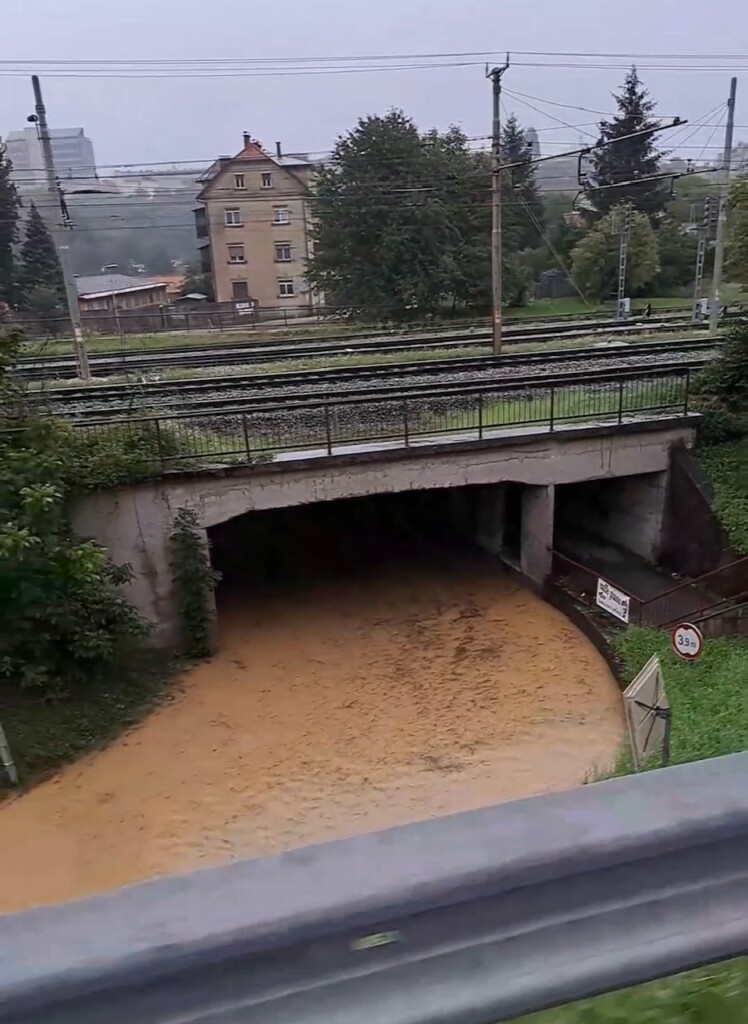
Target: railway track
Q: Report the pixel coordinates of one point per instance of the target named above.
(236, 353)
(212, 395)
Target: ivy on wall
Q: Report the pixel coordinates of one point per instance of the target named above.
(194, 580)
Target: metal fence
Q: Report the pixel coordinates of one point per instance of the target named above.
(582, 581)
(694, 597)
(244, 433)
(714, 596)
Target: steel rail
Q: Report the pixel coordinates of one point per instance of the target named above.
(334, 375)
(385, 392)
(478, 917)
(481, 328)
(221, 355)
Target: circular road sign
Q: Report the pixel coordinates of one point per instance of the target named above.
(687, 641)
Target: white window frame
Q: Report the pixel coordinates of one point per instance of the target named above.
(236, 245)
(228, 217)
(283, 259)
(239, 180)
(281, 215)
(266, 179)
(286, 283)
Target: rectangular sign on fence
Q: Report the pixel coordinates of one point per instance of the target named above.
(611, 600)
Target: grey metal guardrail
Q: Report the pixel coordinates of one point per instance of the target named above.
(473, 918)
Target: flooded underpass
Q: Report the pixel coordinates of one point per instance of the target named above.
(373, 668)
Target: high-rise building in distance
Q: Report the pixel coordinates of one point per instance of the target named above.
(72, 152)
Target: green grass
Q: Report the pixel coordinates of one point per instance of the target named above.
(726, 465)
(44, 734)
(573, 304)
(355, 359)
(709, 699)
(714, 995)
(542, 307)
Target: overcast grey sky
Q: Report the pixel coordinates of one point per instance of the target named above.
(145, 120)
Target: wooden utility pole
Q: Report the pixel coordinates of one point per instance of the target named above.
(58, 233)
(719, 245)
(495, 76)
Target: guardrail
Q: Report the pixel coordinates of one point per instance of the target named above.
(243, 434)
(477, 917)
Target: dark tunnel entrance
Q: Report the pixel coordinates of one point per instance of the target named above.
(348, 537)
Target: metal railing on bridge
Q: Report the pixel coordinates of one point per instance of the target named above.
(482, 916)
(244, 433)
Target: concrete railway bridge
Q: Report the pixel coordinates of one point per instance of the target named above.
(519, 495)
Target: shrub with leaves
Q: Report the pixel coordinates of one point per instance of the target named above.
(727, 377)
(65, 619)
(194, 579)
(721, 390)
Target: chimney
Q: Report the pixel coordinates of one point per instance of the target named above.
(278, 150)
(247, 139)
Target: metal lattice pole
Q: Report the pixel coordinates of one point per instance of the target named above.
(621, 310)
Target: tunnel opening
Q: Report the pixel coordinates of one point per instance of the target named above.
(512, 540)
(614, 526)
(346, 538)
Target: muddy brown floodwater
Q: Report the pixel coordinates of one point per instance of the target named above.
(330, 709)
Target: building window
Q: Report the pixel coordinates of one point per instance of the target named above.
(285, 289)
(281, 215)
(239, 181)
(283, 252)
(267, 179)
(239, 290)
(233, 217)
(236, 254)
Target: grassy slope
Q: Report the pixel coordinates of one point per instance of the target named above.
(727, 468)
(710, 717)
(45, 734)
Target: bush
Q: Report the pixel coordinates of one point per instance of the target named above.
(117, 455)
(718, 425)
(65, 618)
(726, 379)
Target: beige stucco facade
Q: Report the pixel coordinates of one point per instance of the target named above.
(254, 221)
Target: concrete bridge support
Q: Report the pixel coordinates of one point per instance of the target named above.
(536, 552)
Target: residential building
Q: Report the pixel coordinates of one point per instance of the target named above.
(253, 228)
(119, 292)
(72, 152)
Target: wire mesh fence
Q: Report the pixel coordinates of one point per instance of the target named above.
(247, 433)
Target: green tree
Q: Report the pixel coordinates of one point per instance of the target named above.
(65, 619)
(616, 167)
(9, 204)
(737, 247)
(677, 254)
(40, 275)
(197, 281)
(402, 223)
(595, 257)
(524, 211)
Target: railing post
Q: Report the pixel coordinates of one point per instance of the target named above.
(480, 415)
(328, 432)
(685, 396)
(620, 402)
(553, 404)
(246, 437)
(405, 422)
(159, 445)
